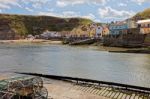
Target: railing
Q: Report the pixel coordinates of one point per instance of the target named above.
(89, 81)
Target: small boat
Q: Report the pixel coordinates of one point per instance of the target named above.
(83, 42)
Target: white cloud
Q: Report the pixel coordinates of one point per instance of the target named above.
(29, 9)
(3, 6)
(6, 4)
(140, 1)
(11, 2)
(63, 3)
(109, 12)
(39, 3)
(68, 14)
(122, 4)
(77, 14)
(49, 14)
(36, 4)
(89, 16)
(97, 20)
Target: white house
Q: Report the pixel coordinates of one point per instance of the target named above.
(98, 31)
(48, 34)
(144, 26)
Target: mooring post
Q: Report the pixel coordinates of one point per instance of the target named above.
(77, 81)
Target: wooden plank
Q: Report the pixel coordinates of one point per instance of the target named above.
(90, 88)
(78, 87)
(117, 97)
(133, 96)
(109, 94)
(97, 88)
(124, 96)
(136, 97)
(117, 94)
(98, 91)
(146, 96)
(101, 90)
(128, 96)
(85, 89)
(120, 96)
(113, 94)
(104, 91)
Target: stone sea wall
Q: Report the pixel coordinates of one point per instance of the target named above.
(147, 40)
(125, 40)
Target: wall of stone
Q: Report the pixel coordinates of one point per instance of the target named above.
(124, 40)
(147, 40)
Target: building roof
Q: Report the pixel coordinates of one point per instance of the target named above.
(118, 23)
(143, 21)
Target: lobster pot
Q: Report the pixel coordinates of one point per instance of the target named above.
(23, 88)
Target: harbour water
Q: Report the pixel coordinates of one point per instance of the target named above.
(83, 62)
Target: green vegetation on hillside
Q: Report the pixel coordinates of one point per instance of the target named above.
(24, 25)
(144, 15)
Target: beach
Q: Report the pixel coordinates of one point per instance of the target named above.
(31, 41)
(59, 89)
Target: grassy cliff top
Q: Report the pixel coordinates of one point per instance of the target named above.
(144, 14)
(28, 24)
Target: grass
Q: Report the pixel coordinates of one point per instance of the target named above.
(144, 14)
(35, 25)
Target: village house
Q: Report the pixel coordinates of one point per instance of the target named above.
(123, 27)
(96, 30)
(124, 33)
(50, 34)
(144, 26)
(105, 31)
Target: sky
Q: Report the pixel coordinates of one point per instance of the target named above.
(96, 10)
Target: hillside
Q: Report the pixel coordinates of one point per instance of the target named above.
(24, 25)
(144, 14)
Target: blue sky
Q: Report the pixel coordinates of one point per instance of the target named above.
(97, 10)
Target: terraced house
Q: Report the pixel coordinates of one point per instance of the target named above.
(144, 26)
(123, 27)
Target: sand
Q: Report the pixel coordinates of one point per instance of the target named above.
(65, 90)
(60, 89)
(31, 41)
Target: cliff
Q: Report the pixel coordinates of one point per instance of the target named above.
(23, 25)
(143, 15)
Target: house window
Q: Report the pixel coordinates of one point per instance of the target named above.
(146, 25)
(139, 25)
(149, 25)
(120, 32)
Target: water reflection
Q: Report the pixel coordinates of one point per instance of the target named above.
(77, 62)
